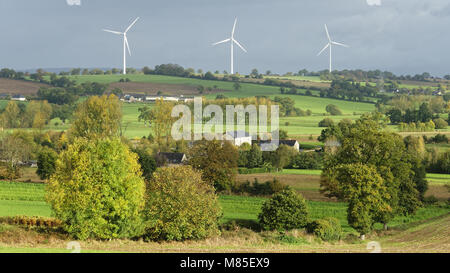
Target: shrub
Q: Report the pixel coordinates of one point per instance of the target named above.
(31, 222)
(333, 110)
(97, 190)
(284, 211)
(46, 163)
(327, 229)
(180, 205)
(439, 138)
(261, 189)
(430, 200)
(326, 122)
(440, 123)
(308, 161)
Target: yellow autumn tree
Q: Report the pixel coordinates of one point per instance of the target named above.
(98, 117)
(97, 190)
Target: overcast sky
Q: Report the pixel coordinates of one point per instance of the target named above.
(402, 36)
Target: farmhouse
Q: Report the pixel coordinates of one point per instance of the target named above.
(238, 137)
(174, 158)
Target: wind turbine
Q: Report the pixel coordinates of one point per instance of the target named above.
(232, 42)
(125, 43)
(329, 45)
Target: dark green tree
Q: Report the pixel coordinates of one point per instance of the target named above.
(46, 163)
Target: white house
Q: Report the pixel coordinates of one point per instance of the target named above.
(238, 137)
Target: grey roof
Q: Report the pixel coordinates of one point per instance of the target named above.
(287, 142)
(173, 158)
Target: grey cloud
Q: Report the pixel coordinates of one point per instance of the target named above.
(405, 36)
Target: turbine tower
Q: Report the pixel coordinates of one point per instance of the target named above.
(232, 42)
(125, 43)
(329, 45)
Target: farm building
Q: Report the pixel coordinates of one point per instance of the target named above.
(155, 98)
(18, 98)
(174, 158)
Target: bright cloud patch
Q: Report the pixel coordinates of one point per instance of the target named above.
(73, 2)
(374, 2)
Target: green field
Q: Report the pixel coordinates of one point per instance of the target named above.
(28, 199)
(239, 208)
(438, 179)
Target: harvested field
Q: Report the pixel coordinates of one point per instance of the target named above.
(18, 87)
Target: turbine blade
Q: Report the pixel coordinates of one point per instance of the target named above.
(234, 27)
(339, 44)
(323, 49)
(128, 46)
(328, 34)
(112, 31)
(240, 45)
(221, 42)
(132, 24)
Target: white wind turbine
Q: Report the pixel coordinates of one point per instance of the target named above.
(125, 43)
(232, 42)
(329, 45)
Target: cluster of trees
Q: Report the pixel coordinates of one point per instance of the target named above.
(378, 173)
(423, 114)
(250, 156)
(35, 114)
(288, 109)
(20, 146)
(97, 71)
(349, 90)
(69, 94)
(103, 186)
(361, 75)
(438, 162)
(179, 71)
(429, 126)
(425, 118)
(11, 74)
